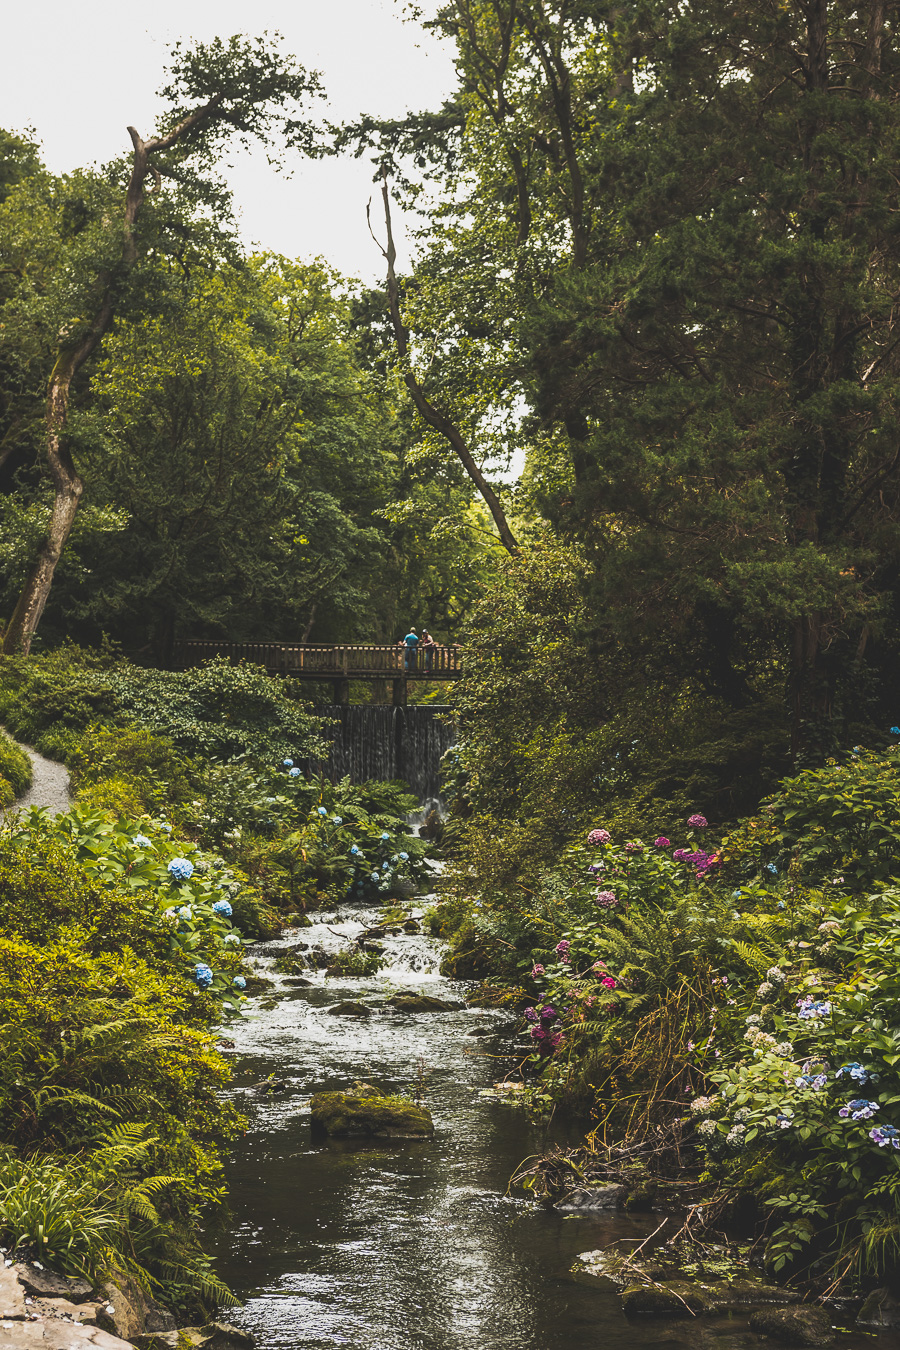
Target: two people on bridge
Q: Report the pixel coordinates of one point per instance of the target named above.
(419, 651)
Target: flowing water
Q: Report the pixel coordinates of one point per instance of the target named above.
(370, 741)
(407, 1246)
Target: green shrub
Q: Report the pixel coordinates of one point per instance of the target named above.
(217, 711)
(843, 819)
(94, 1043)
(15, 766)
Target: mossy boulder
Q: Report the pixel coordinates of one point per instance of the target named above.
(364, 1113)
(675, 1298)
(794, 1326)
(422, 1003)
(881, 1309)
(349, 1008)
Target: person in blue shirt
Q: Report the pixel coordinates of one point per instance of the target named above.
(412, 646)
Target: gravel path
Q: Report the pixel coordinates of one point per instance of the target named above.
(49, 786)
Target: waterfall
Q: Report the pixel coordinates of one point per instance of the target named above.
(372, 741)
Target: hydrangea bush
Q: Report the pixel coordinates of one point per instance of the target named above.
(167, 877)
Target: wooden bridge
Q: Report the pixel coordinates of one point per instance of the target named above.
(337, 664)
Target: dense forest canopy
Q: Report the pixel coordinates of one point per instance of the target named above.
(656, 261)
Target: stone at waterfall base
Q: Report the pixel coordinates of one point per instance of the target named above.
(424, 1003)
(364, 1113)
(598, 1197)
(794, 1326)
(349, 1008)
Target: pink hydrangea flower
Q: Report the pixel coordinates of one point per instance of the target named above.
(661, 842)
(606, 899)
(608, 982)
(563, 947)
(634, 846)
(599, 837)
(537, 970)
(698, 822)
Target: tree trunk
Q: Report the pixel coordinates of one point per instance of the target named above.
(67, 484)
(427, 411)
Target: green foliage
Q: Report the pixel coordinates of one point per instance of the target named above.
(15, 767)
(214, 710)
(355, 963)
(102, 1055)
(843, 819)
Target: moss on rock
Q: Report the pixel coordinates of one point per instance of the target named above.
(673, 1299)
(364, 1113)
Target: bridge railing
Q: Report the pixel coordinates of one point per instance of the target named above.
(308, 660)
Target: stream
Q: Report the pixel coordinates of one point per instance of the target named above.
(413, 1245)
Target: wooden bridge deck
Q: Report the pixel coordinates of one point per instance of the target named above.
(306, 661)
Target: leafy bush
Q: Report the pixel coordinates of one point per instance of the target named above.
(842, 819)
(15, 766)
(217, 711)
(88, 1044)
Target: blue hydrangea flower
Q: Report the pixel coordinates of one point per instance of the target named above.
(232, 938)
(385, 866)
(770, 867)
(166, 827)
(376, 876)
(385, 835)
(294, 773)
(141, 841)
(222, 907)
(895, 731)
(338, 820)
(203, 975)
(180, 869)
(288, 763)
(321, 810)
(858, 1072)
(354, 850)
(809, 1007)
(405, 857)
(240, 982)
(885, 1134)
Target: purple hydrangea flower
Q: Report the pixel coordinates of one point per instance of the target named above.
(536, 970)
(599, 837)
(661, 842)
(606, 899)
(563, 947)
(697, 822)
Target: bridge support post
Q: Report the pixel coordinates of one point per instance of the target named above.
(399, 692)
(379, 691)
(341, 693)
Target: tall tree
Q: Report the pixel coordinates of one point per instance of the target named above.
(694, 275)
(215, 90)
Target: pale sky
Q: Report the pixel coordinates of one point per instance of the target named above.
(79, 75)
